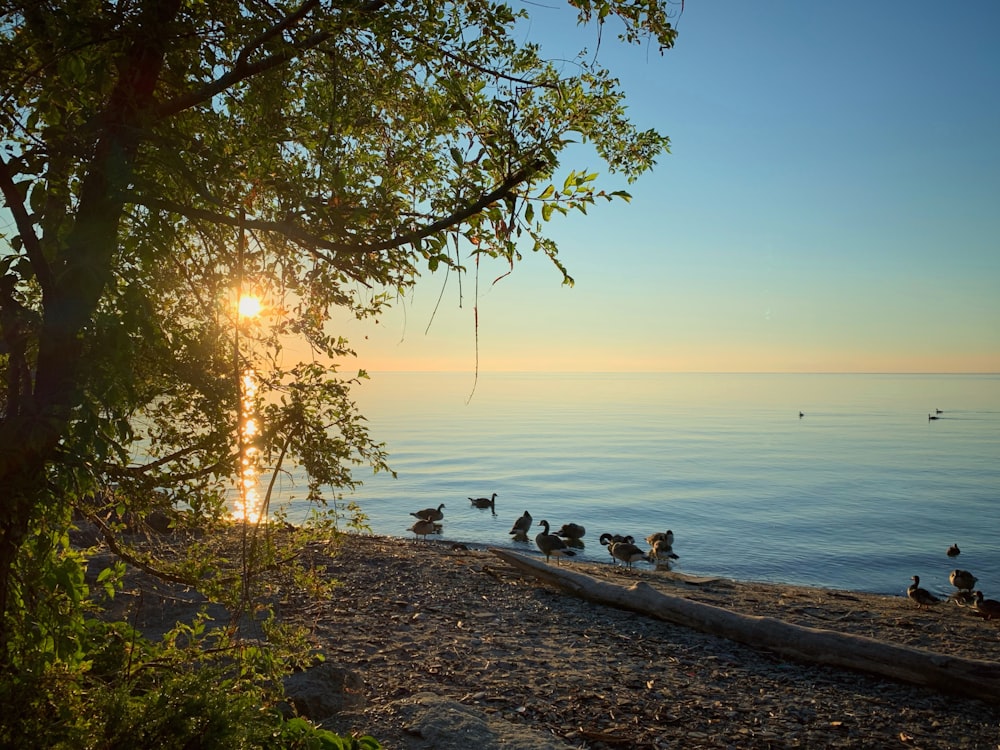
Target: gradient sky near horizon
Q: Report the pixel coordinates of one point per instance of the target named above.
(831, 203)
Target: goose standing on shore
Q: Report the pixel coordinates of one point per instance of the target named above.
(430, 514)
(922, 597)
(624, 550)
(550, 544)
(485, 502)
(963, 598)
(423, 528)
(988, 609)
(520, 527)
(628, 553)
(962, 580)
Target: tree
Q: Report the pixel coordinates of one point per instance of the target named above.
(160, 156)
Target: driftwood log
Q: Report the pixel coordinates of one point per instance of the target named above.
(970, 677)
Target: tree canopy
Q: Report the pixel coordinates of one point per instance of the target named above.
(161, 157)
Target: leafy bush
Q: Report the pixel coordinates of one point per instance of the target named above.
(108, 703)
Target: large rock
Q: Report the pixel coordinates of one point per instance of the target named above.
(325, 690)
(445, 724)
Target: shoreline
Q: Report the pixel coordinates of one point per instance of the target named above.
(530, 549)
(599, 677)
(433, 631)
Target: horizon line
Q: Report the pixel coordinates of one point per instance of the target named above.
(693, 372)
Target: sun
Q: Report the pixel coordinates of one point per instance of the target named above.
(249, 306)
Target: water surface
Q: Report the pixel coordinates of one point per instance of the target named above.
(861, 492)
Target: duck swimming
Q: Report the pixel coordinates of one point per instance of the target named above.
(922, 597)
(954, 551)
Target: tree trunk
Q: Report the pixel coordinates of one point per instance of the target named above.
(971, 677)
(74, 280)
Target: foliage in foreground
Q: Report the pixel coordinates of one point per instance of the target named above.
(157, 706)
(83, 680)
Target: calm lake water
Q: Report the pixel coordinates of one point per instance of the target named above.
(861, 492)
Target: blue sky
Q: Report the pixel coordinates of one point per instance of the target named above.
(831, 203)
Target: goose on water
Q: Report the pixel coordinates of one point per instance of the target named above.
(954, 551)
(662, 551)
(485, 502)
(661, 536)
(662, 546)
(962, 580)
(430, 514)
(922, 597)
(520, 527)
(572, 531)
(550, 544)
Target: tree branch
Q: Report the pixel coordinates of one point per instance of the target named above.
(242, 69)
(32, 245)
(285, 23)
(314, 243)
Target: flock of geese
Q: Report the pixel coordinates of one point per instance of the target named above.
(661, 552)
(560, 543)
(964, 596)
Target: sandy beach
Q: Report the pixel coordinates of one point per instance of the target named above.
(422, 622)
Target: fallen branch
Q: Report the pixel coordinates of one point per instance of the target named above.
(970, 677)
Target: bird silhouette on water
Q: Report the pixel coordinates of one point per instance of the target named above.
(485, 502)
